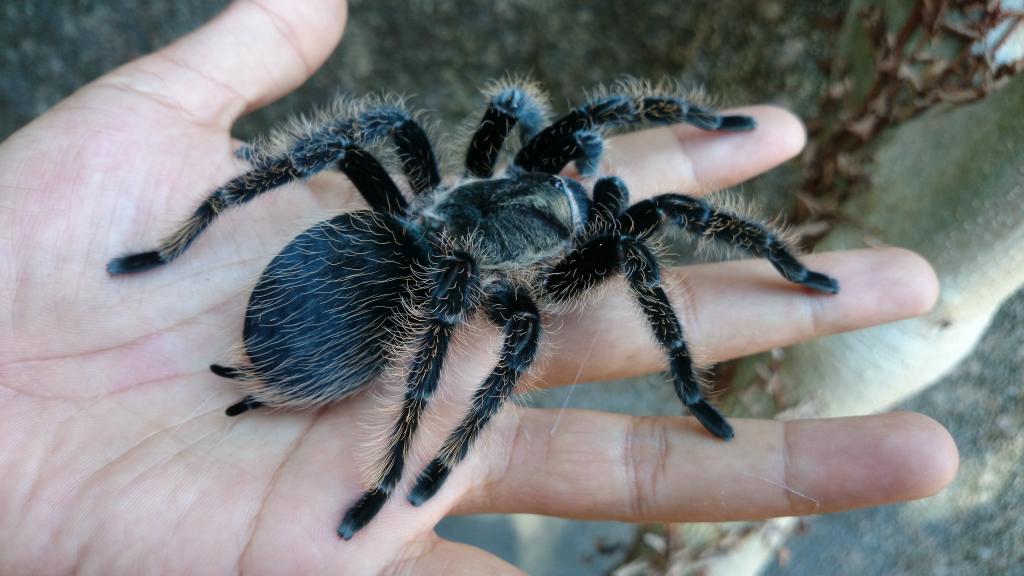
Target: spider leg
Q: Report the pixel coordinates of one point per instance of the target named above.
(620, 245)
(605, 255)
(697, 216)
(555, 146)
(611, 197)
(512, 105)
(512, 308)
(325, 148)
(451, 299)
(584, 147)
(644, 278)
(411, 144)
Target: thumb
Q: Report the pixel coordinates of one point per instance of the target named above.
(252, 53)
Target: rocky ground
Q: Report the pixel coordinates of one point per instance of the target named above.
(441, 52)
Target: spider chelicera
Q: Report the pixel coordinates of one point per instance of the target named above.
(343, 300)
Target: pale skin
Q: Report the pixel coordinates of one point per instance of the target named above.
(115, 452)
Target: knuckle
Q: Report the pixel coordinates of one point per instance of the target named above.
(644, 459)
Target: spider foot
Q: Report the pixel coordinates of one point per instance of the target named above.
(134, 263)
(820, 282)
(712, 419)
(709, 120)
(429, 482)
(226, 371)
(242, 406)
(360, 514)
(737, 123)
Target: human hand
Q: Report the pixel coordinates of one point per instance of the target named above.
(115, 452)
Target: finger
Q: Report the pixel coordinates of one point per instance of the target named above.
(251, 54)
(685, 159)
(733, 309)
(444, 557)
(654, 469)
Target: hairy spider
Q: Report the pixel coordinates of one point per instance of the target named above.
(340, 303)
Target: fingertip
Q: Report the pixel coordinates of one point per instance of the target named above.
(722, 159)
(922, 283)
(901, 283)
(780, 134)
(864, 461)
(296, 38)
(789, 135)
(879, 285)
(923, 453)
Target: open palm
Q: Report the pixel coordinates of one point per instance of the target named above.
(116, 456)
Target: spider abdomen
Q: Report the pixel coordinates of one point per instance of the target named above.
(323, 318)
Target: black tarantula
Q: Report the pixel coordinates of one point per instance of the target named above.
(335, 307)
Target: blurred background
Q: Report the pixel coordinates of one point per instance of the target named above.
(794, 54)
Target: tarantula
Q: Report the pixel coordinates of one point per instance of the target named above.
(337, 305)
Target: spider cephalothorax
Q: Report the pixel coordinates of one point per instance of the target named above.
(333, 309)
